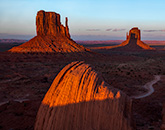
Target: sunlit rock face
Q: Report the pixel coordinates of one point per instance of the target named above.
(48, 23)
(79, 99)
(51, 37)
(133, 41)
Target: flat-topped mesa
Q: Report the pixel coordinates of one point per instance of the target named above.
(52, 37)
(48, 23)
(79, 99)
(133, 41)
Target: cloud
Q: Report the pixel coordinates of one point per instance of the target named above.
(153, 30)
(117, 30)
(109, 29)
(93, 30)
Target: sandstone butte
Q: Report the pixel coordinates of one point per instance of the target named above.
(51, 37)
(79, 99)
(132, 42)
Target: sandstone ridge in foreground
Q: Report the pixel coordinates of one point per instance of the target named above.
(52, 36)
(79, 99)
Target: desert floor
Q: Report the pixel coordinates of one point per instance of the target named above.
(25, 79)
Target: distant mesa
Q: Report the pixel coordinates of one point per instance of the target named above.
(133, 41)
(51, 37)
(79, 99)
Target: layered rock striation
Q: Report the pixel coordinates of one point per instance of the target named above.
(134, 42)
(51, 37)
(48, 23)
(79, 99)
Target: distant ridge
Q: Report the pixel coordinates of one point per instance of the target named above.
(117, 42)
(100, 42)
(12, 41)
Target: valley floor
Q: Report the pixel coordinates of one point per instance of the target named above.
(25, 79)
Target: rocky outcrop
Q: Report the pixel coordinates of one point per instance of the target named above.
(51, 37)
(48, 23)
(79, 99)
(133, 41)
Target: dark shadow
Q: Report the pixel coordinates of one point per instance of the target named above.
(18, 116)
(7, 46)
(132, 44)
(109, 114)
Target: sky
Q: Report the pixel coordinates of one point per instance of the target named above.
(88, 19)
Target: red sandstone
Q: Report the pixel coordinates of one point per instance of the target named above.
(79, 99)
(52, 36)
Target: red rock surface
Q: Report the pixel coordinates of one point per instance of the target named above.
(134, 42)
(79, 99)
(48, 23)
(51, 37)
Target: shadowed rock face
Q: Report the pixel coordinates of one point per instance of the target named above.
(51, 37)
(133, 41)
(79, 99)
(163, 119)
(136, 32)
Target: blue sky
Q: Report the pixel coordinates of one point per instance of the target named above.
(88, 19)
